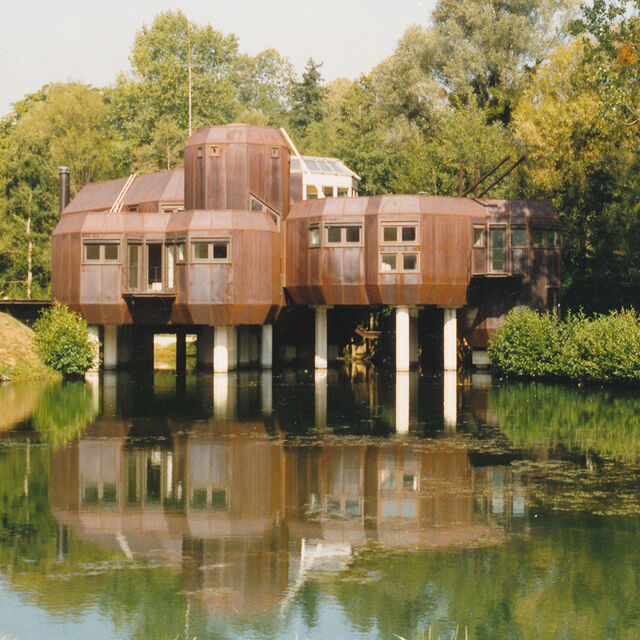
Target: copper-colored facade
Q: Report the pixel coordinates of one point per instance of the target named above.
(219, 243)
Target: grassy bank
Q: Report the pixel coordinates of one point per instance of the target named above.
(19, 359)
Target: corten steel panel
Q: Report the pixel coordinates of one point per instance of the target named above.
(236, 159)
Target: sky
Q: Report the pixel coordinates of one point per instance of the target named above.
(90, 40)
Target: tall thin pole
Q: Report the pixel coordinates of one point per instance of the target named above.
(189, 69)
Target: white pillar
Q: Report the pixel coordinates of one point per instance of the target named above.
(450, 340)
(321, 338)
(221, 348)
(110, 346)
(320, 390)
(402, 401)
(266, 347)
(402, 339)
(450, 400)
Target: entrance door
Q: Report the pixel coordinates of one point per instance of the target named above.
(154, 267)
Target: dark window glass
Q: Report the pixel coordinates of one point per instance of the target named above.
(497, 249)
(390, 234)
(110, 251)
(134, 261)
(219, 250)
(314, 236)
(255, 205)
(328, 192)
(552, 238)
(334, 234)
(410, 261)
(92, 251)
(538, 237)
(389, 262)
(408, 234)
(353, 234)
(518, 237)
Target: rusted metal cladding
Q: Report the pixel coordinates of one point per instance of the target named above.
(390, 250)
(155, 272)
(224, 165)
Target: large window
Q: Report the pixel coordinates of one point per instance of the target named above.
(399, 262)
(101, 251)
(212, 250)
(399, 234)
(498, 249)
(343, 234)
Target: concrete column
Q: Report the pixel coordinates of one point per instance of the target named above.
(224, 349)
(205, 348)
(321, 338)
(320, 392)
(402, 401)
(266, 346)
(450, 340)
(181, 352)
(413, 336)
(110, 346)
(94, 337)
(402, 339)
(450, 400)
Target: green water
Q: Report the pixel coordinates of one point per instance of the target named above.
(252, 506)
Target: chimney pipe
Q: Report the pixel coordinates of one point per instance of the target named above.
(65, 187)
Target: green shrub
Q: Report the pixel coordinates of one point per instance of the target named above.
(603, 349)
(528, 344)
(63, 341)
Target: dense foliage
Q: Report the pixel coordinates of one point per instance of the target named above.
(538, 78)
(63, 341)
(602, 349)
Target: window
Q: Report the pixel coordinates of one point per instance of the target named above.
(181, 253)
(213, 250)
(399, 233)
(552, 238)
(479, 237)
(342, 192)
(134, 265)
(518, 237)
(314, 235)
(343, 234)
(171, 265)
(498, 249)
(398, 262)
(101, 251)
(312, 192)
(328, 192)
(538, 237)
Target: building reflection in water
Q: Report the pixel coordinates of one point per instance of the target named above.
(248, 511)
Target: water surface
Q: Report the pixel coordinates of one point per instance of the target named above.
(357, 505)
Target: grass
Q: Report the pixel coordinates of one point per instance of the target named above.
(19, 359)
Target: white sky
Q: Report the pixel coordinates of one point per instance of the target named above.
(44, 41)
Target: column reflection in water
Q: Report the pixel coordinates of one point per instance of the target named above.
(403, 403)
(266, 391)
(224, 395)
(450, 402)
(320, 389)
(109, 394)
(92, 380)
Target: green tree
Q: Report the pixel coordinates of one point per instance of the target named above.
(307, 99)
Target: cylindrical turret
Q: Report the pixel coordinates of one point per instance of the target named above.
(65, 187)
(237, 166)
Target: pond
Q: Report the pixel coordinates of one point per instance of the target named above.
(356, 505)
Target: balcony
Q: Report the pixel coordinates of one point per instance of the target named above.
(147, 283)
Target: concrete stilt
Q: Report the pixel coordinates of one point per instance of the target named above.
(450, 400)
(414, 343)
(110, 349)
(402, 401)
(266, 347)
(321, 337)
(244, 355)
(320, 392)
(402, 339)
(224, 349)
(450, 340)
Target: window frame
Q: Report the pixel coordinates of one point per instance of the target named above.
(210, 242)
(101, 243)
(399, 225)
(343, 225)
(399, 255)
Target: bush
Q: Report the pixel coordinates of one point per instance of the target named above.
(528, 344)
(63, 341)
(602, 349)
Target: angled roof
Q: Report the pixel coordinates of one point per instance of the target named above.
(160, 186)
(325, 166)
